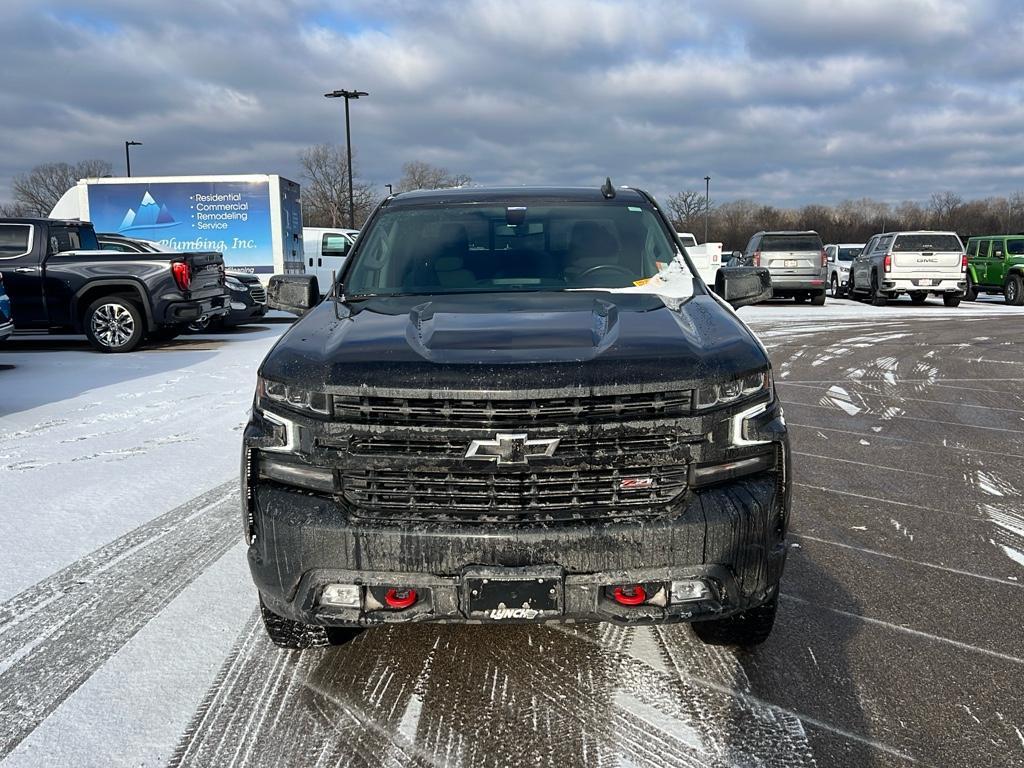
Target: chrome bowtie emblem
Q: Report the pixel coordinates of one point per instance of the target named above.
(508, 448)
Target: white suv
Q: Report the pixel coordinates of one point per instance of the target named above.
(917, 263)
(839, 257)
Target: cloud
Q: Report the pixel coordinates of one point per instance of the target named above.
(792, 102)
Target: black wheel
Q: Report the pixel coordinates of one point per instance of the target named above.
(818, 299)
(1014, 291)
(114, 324)
(878, 298)
(972, 290)
(918, 297)
(287, 633)
(850, 287)
(951, 299)
(745, 629)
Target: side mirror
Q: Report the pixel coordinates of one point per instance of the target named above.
(293, 293)
(741, 286)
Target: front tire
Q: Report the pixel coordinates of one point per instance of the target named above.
(972, 290)
(951, 299)
(1013, 294)
(297, 636)
(745, 629)
(837, 291)
(114, 324)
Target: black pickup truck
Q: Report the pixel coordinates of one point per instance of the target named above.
(59, 280)
(517, 405)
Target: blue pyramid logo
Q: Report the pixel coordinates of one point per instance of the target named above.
(150, 215)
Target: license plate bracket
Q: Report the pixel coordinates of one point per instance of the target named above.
(501, 594)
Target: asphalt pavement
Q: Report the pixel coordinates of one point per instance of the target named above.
(898, 640)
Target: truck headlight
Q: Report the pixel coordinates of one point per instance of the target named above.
(294, 397)
(726, 393)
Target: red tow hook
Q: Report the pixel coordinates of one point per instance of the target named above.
(399, 599)
(633, 595)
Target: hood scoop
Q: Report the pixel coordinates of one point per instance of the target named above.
(512, 336)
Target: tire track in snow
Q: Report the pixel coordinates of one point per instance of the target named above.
(501, 696)
(56, 634)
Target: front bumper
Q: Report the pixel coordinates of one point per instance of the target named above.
(731, 535)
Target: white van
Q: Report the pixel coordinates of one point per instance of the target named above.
(706, 258)
(325, 250)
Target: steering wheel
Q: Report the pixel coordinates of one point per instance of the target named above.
(612, 267)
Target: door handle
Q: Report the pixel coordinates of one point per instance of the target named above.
(25, 270)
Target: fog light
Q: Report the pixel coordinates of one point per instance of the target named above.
(688, 590)
(341, 596)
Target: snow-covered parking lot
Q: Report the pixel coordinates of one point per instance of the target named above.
(128, 634)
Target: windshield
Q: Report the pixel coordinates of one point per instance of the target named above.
(849, 254)
(929, 242)
(475, 248)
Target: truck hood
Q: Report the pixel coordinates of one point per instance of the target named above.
(514, 341)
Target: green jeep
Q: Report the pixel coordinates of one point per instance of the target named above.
(995, 264)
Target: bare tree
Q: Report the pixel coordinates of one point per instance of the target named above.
(36, 192)
(419, 175)
(686, 210)
(943, 207)
(325, 188)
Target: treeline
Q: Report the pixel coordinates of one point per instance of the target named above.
(851, 221)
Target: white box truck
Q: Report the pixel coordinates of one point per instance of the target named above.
(255, 220)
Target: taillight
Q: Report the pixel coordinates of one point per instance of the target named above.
(182, 274)
(824, 258)
(757, 258)
(963, 262)
(887, 263)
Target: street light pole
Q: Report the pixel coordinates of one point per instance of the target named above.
(707, 204)
(128, 157)
(346, 95)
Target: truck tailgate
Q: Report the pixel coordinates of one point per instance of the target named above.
(207, 273)
(926, 263)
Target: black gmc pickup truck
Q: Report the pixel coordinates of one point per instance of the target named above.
(517, 405)
(59, 280)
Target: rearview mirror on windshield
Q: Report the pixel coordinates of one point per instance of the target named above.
(744, 285)
(293, 293)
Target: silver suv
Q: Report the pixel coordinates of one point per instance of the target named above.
(917, 263)
(796, 261)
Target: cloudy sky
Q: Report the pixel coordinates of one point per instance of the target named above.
(790, 101)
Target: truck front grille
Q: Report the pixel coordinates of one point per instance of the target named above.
(258, 293)
(575, 448)
(458, 412)
(538, 495)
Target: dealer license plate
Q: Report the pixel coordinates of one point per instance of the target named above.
(924, 282)
(503, 594)
(790, 262)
